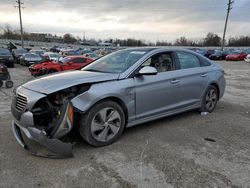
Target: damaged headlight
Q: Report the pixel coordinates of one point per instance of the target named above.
(54, 113)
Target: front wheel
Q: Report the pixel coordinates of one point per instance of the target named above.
(210, 99)
(103, 124)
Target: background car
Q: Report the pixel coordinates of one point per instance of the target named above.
(247, 59)
(67, 63)
(6, 57)
(17, 53)
(91, 55)
(120, 90)
(236, 56)
(219, 55)
(28, 59)
(51, 56)
(38, 52)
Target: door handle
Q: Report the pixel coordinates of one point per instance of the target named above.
(203, 75)
(174, 81)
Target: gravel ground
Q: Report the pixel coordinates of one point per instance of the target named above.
(171, 152)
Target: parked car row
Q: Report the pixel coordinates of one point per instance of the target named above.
(228, 54)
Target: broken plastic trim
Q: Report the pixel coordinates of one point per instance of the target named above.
(57, 148)
(65, 122)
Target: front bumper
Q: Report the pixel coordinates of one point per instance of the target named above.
(37, 72)
(55, 147)
(26, 130)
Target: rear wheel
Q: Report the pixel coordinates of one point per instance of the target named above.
(210, 99)
(103, 124)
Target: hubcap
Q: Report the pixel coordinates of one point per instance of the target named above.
(211, 99)
(105, 124)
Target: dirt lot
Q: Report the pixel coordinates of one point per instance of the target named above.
(170, 152)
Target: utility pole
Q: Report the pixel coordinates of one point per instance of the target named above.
(20, 17)
(230, 2)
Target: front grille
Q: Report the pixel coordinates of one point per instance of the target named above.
(21, 102)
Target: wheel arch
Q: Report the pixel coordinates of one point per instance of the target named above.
(217, 87)
(118, 101)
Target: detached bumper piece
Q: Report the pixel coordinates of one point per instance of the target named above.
(30, 138)
(33, 136)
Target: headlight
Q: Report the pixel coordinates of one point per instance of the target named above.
(15, 89)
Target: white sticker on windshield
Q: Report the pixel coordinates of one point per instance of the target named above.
(138, 52)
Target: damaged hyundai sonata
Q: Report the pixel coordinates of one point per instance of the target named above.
(120, 90)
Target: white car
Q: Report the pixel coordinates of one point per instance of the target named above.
(52, 56)
(247, 59)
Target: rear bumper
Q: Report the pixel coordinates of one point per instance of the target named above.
(55, 147)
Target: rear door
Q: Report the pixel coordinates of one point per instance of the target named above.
(193, 78)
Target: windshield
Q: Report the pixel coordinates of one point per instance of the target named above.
(53, 55)
(116, 62)
(217, 52)
(31, 56)
(4, 52)
(21, 51)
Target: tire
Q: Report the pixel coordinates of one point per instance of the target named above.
(1, 83)
(210, 99)
(9, 84)
(99, 132)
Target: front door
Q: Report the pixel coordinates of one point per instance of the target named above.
(158, 93)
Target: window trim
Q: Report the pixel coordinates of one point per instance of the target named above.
(173, 56)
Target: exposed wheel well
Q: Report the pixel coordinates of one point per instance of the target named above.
(218, 89)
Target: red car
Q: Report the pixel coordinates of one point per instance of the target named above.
(67, 63)
(236, 56)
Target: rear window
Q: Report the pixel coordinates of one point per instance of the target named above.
(188, 60)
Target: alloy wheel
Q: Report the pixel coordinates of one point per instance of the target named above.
(211, 99)
(105, 124)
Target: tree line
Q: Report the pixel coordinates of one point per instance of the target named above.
(211, 39)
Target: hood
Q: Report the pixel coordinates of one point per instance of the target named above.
(56, 82)
(44, 64)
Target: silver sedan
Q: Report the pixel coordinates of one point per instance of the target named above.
(122, 89)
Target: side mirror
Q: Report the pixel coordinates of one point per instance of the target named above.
(148, 70)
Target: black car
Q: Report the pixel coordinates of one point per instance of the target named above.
(209, 52)
(219, 55)
(6, 58)
(17, 53)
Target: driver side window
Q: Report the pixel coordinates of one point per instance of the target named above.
(163, 62)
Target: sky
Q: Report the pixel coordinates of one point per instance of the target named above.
(151, 20)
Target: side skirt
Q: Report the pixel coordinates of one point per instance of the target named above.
(162, 115)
